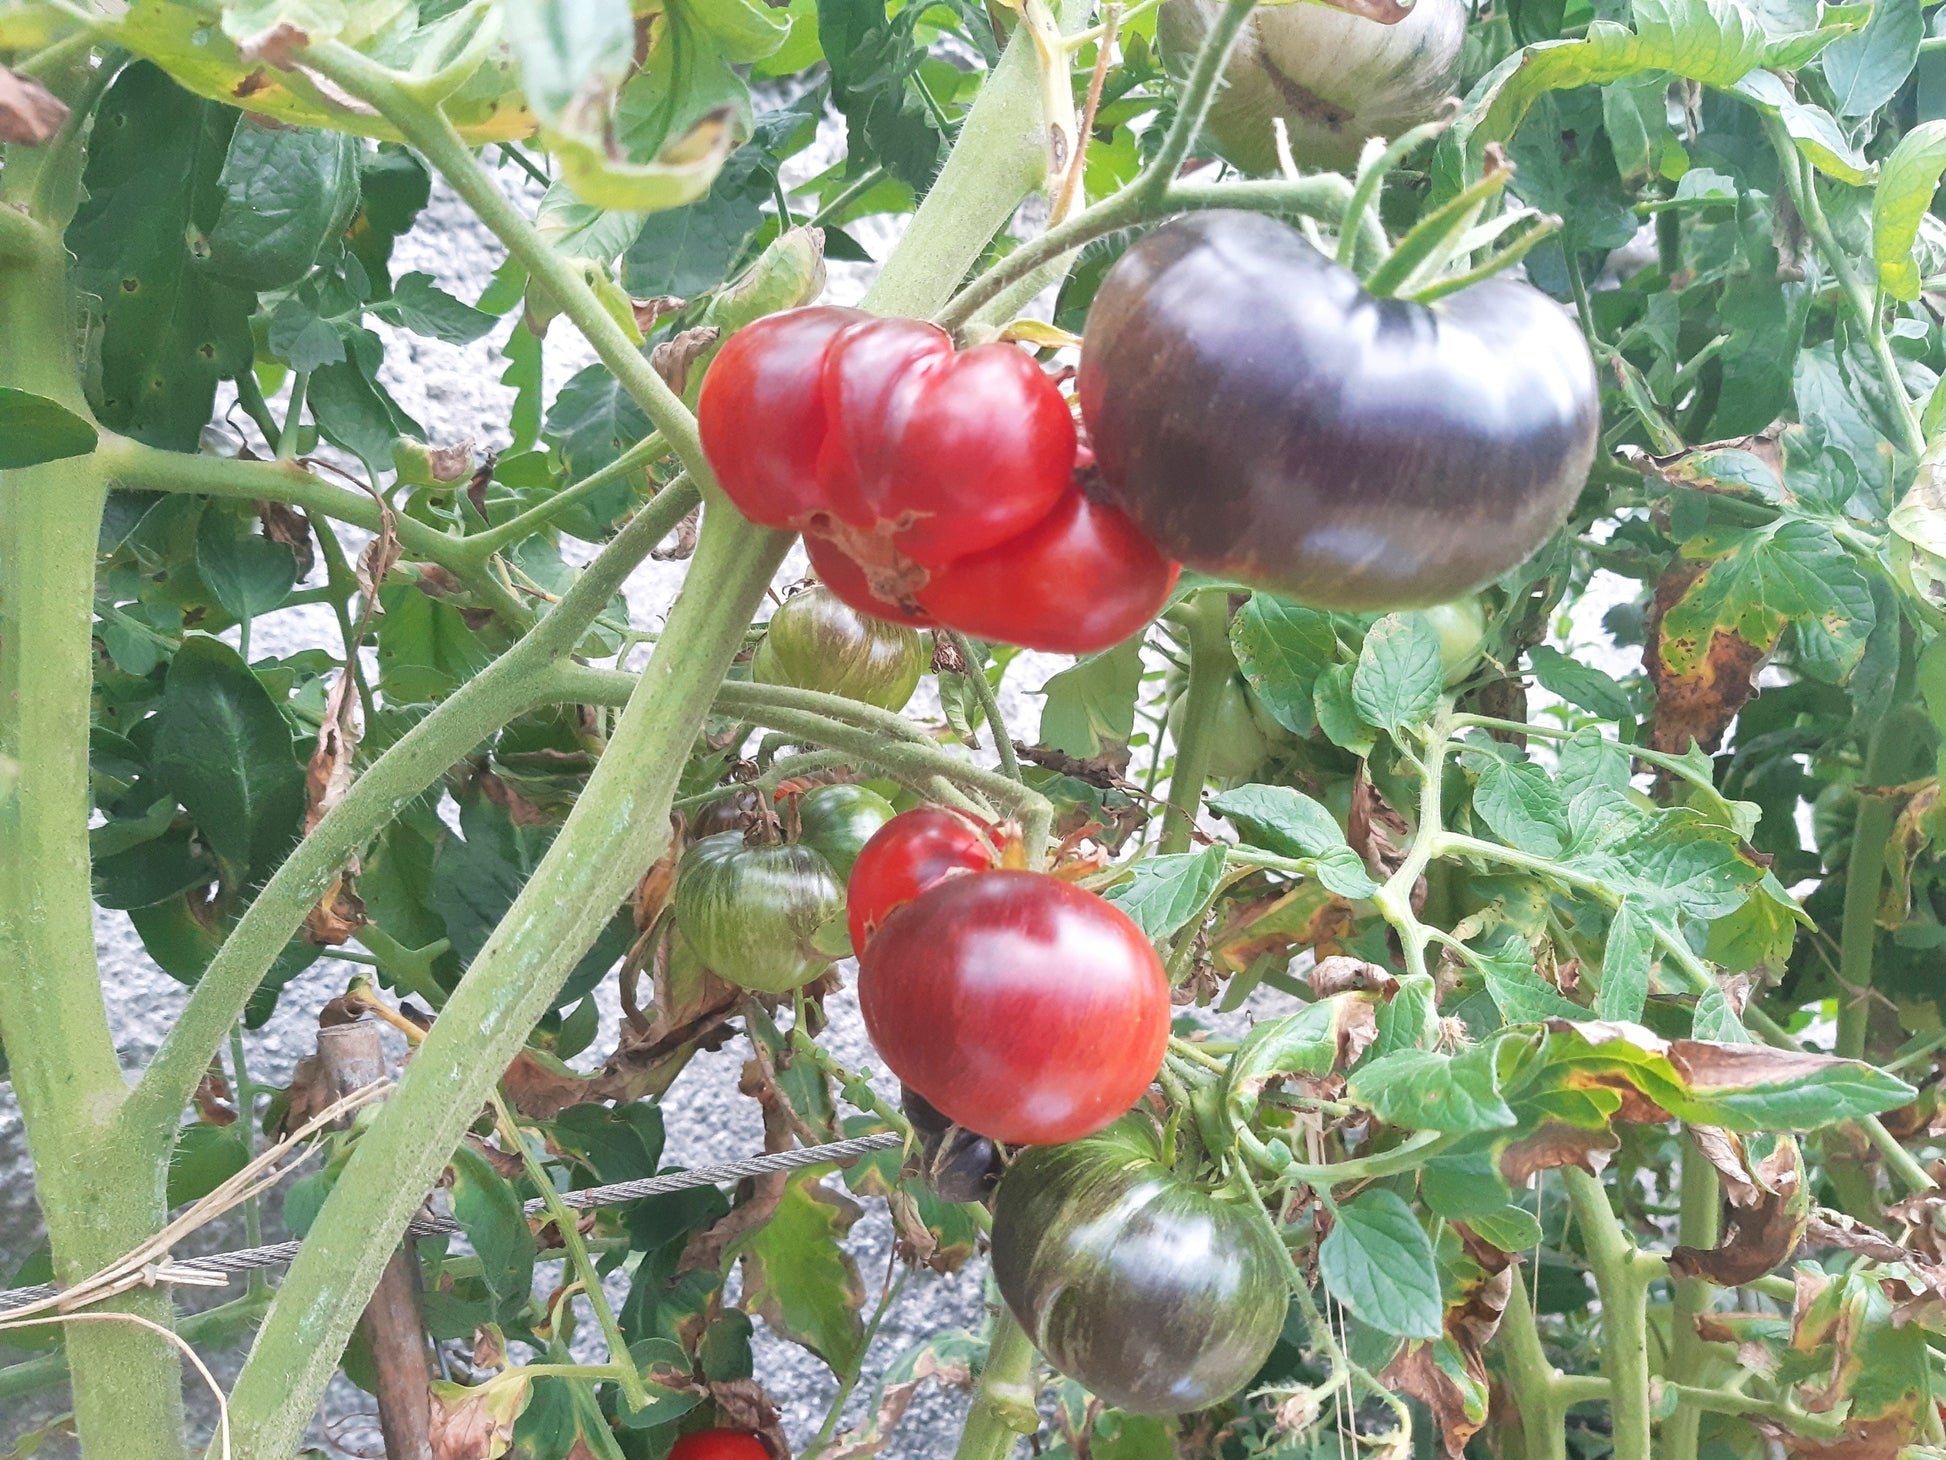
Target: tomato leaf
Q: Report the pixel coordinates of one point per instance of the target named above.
(1625, 963)
(486, 1207)
(1378, 1261)
(249, 574)
(1907, 181)
(1284, 820)
(1578, 683)
(225, 752)
(286, 195)
(1399, 674)
(1520, 801)
(1866, 68)
(34, 429)
(1166, 892)
(1091, 706)
(1419, 1089)
(796, 1275)
(1519, 991)
(1510, 1228)
(1282, 648)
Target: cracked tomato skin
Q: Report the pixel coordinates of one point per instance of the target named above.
(911, 852)
(1019, 1006)
(878, 434)
(719, 1445)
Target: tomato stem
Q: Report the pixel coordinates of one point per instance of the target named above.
(1622, 1283)
(1003, 1403)
(1211, 663)
(1003, 743)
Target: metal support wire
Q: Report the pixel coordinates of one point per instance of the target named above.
(198, 1271)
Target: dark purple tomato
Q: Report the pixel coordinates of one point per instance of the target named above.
(1156, 1293)
(1263, 418)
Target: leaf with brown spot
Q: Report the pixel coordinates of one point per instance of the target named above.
(1696, 701)
(1308, 916)
(477, 1423)
(1340, 974)
(30, 114)
(338, 915)
(1762, 1231)
(673, 358)
(1449, 1375)
(743, 1404)
(1554, 1145)
(539, 1086)
(1723, 1150)
(285, 524)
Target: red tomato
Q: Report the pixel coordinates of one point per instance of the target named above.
(1081, 579)
(907, 855)
(877, 434)
(1019, 1005)
(719, 1445)
(932, 486)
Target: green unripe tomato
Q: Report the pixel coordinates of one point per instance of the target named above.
(1462, 626)
(1237, 742)
(815, 641)
(837, 821)
(751, 913)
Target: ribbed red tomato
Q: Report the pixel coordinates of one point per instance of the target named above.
(1021, 1006)
(907, 855)
(719, 1445)
(932, 486)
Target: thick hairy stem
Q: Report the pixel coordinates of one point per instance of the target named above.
(1620, 1281)
(1211, 665)
(1864, 879)
(1531, 1379)
(1003, 1408)
(619, 826)
(99, 1200)
(513, 684)
(1700, 1218)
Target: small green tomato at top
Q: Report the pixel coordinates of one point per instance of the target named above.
(815, 641)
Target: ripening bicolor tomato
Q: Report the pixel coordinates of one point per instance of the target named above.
(931, 485)
(1020, 1006)
(911, 852)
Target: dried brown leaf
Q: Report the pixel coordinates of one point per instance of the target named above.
(285, 524)
(30, 114)
(673, 358)
(1762, 1231)
(1699, 705)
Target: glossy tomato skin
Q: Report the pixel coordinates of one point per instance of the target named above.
(839, 821)
(878, 434)
(817, 641)
(911, 852)
(1262, 417)
(1018, 1005)
(1154, 1294)
(719, 1445)
(750, 912)
(1081, 579)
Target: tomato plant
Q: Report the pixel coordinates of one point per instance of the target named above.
(1391, 555)
(1018, 1005)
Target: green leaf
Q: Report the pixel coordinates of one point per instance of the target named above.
(1812, 129)
(1379, 1262)
(1305, 1043)
(425, 309)
(1282, 648)
(1519, 991)
(1510, 1228)
(1520, 801)
(1866, 69)
(1337, 713)
(1284, 820)
(1579, 683)
(287, 193)
(204, 1157)
(799, 1278)
(352, 409)
(873, 54)
(1091, 706)
(169, 330)
(1906, 183)
(1625, 964)
(1421, 1090)
(1167, 891)
(1399, 676)
(224, 751)
(486, 1207)
(34, 429)
(249, 574)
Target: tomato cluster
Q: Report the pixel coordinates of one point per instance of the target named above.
(1018, 1006)
(932, 486)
